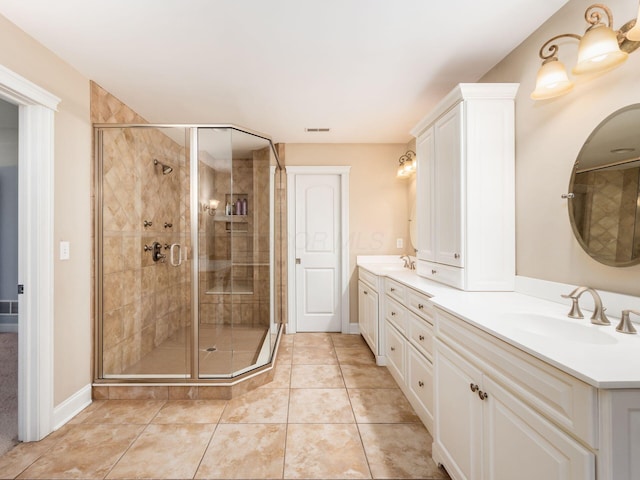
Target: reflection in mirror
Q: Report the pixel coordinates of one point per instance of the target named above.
(605, 208)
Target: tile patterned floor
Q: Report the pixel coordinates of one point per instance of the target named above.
(330, 413)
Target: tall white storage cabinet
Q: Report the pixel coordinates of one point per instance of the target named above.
(465, 188)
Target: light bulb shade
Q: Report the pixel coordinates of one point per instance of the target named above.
(598, 51)
(409, 166)
(552, 80)
(402, 173)
(634, 33)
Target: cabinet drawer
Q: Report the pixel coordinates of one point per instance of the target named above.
(453, 276)
(394, 289)
(420, 383)
(420, 333)
(395, 313)
(395, 347)
(565, 400)
(369, 278)
(419, 304)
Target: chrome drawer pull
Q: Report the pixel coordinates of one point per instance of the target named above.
(420, 306)
(421, 337)
(433, 272)
(420, 383)
(456, 255)
(393, 314)
(483, 395)
(474, 388)
(393, 289)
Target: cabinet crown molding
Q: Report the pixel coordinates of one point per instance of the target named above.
(467, 91)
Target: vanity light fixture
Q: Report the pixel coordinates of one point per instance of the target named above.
(600, 49)
(211, 207)
(406, 164)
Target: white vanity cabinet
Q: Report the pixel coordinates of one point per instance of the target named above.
(409, 345)
(501, 414)
(369, 301)
(465, 189)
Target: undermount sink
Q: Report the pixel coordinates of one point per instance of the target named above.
(577, 331)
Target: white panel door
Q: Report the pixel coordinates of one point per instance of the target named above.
(318, 253)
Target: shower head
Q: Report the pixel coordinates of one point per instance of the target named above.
(166, 169)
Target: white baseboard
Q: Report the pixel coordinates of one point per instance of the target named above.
(8, 328)
(70, 407)
(354, 328)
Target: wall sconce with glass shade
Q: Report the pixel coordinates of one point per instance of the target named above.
(600, 49)
(211, 207)
(406, 164)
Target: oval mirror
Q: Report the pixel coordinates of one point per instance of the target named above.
(604, 211)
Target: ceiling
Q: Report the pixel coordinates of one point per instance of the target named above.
(367, 69)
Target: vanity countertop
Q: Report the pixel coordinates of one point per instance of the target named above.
(597, 355)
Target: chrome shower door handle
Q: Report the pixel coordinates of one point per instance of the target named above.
(176, 247)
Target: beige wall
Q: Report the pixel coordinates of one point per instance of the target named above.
(549, 135)
(72, 220)
(378, 202)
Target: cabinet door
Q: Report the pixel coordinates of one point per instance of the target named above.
(425, 152)
(395, 352)
(420, 383)
(448, 188)
(368, 315)
(511, 428)
(457, 414)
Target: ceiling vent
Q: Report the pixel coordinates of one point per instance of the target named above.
(317, 129)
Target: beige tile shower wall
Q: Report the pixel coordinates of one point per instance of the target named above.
(280, 253)
(261, 251)
(549, 136)
(144, 302)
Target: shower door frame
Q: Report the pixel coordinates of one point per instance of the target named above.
(193, 375)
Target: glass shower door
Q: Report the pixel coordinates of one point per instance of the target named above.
(143, 233)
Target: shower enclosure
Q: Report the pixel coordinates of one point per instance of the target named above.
(185, 237)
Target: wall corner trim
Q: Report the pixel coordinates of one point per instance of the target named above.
(70, 407)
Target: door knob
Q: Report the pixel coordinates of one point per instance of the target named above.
(298, 261)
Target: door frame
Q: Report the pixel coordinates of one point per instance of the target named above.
(35, 252)
(343, 173)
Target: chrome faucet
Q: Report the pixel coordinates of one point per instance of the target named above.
(598, 317)
(408, 263)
